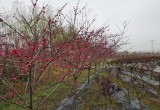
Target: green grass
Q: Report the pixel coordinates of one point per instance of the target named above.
(54, 99)
(95, 99)
(92, 98)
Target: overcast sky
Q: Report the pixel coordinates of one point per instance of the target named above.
(143, 15)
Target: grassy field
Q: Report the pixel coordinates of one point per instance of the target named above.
(93, 97)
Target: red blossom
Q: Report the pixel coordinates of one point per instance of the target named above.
(2, 54)
(19, 52)
(14, 78)
(4, 97)
(12, 95)
(34, 47)
(43, 43)
(29, 43)
(13, 52)
(88, 57)
(55, 65)
(48, 59)
(25, 70)
(59, 58)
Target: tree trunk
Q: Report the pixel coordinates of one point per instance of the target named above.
(31, 90)
(89, 70)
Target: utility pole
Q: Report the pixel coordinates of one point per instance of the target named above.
(152, 46)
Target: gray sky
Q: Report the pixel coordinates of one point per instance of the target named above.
(144, 17)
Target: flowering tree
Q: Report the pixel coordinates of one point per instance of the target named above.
(23, 54)
(39, 43)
